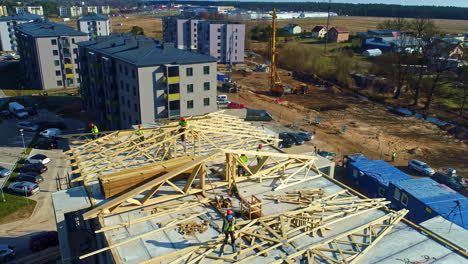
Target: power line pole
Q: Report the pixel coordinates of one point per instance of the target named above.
(328, 25)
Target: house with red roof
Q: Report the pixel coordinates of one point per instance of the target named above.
(338, 34)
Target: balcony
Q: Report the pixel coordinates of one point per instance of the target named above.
(175, 96)
(67, 55)
(169, 80)
(69, 75)
(68, 65)
(174, 113)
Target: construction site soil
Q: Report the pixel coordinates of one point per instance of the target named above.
(370, 128)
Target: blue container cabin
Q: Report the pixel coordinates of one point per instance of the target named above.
(373, 176)
(426, 198)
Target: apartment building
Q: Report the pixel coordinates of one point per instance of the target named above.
(49, 54)
(220, 39)
(70, 11)
(130, 80)
(8, 30)
(36, 10)
(94, 25)
(3, 11)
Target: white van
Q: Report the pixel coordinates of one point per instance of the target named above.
(18, 110)
(222, 99)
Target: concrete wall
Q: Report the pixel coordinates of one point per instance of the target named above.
(5, 44)
(131, 94)
(94, 27)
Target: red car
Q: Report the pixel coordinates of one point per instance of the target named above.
(234, 105)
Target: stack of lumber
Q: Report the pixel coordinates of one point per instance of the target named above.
(117, 183)
(302, 197)
(191, 228)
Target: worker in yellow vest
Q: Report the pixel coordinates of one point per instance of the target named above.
(229, 226)
(259, 157)
(182, 127)
(240, 168)
(140, 133)
(94, 130)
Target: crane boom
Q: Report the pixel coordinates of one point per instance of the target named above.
(274, 78)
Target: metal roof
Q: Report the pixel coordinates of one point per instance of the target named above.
(142, 51)
(40, 28)
(22, 17)
(93, 17)
(380, 170)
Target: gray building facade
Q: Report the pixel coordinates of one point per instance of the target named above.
(94, 25)
(130, 80)
(49, 55)
(220, 39)
(8, 30)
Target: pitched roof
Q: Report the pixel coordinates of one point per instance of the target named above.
(341, 29)
(41, 28)
(93, 17)
(142, 51)
(318, 28)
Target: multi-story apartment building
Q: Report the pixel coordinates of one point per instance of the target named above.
(130, 80)
(104, 10)
(70, 11)
(94, 25)
(36, 10)
(3, 11)
(220, 39)
(49, 54)
(8, 30)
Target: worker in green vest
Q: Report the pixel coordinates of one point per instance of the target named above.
(259, 157)
(182, 127)
(393, 156)
(240, 168)
(94, 130)
(229, 225)
(140, 133)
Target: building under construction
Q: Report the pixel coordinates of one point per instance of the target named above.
(161, 198)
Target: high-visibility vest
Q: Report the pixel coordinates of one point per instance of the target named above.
(258, 150)
(94, 130)
(183, 123)
(244, 159)
(229, 225)
(139, 132)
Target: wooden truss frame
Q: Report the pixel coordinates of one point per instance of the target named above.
(256, 238)
(199, 181)
(121, 150)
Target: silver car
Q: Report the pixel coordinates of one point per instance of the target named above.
(27, 126)
(24, 187)
(421, 167)
(4, 172)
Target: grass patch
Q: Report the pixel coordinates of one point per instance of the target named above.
(20, 92)
(15, 208)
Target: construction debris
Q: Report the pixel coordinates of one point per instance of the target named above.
(302, 197)
(191, 228)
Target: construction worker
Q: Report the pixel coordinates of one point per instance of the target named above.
(183, 126)
(259, 157)
(240, 168)
(140, 133)
(94, 130)
(393, 156)
(228, 229)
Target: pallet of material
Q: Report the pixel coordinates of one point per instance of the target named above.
(117, 183)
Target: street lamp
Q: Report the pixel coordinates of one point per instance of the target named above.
(22, 137)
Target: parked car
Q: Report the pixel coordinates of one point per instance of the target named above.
(296, 139)
(421, 167)
(234, 105)
(7, 252)
(447, 180)
(18, 110)
(38, 158)
(24, 187)
(305, 136)
(46, 143)
(52, 124)
(31, 110)
(29, 177)
(4, 172)
(43, 240)
(327, 155)
(222, 99)
(50, 132)
(30, 126)
(38, 167)
(5, 114)
(258, 115)
(286, 140)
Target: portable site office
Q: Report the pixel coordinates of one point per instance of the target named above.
(425, 199)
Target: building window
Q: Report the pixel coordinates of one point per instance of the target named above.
(190, 104)
(189, 71)
(189, 88)
(206, 86)
(133, 74)
(75, 50)
(206, 70)
(122, 99)
(236, 29)
(59, 83)
(128, 105)
(55, 52)
(219, 37)
(219, 44)
(73, 40)
(128, 87)
(397, 194)
(53, 41)
(219, 51)
(134, 91)
(235, 37)
(136, 108)
(120, 68)
(57, 63)
(126, 71)
(219, 29)
(206, 101)
(57, 73)
(404, 199)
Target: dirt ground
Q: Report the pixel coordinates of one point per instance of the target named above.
(371, 129)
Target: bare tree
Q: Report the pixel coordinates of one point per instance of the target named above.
(399, 23)
(463, 78)
(423, 27)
